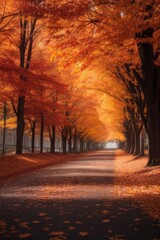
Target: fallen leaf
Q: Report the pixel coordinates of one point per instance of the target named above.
(59, 238)
(42, 214)
(47, 218)
(17, 220)
(25, 235)
(67, 222)
(105, 212)
(78, 222)
(83, 234)
(16, 205)
(2, 223)
(71, 228)
(136, 229)
(23, 224)
(57, 233)
(36, 221)
(46, 229)
(106, 221)
(137, 219)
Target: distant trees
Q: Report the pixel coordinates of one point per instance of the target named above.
(80, 120)
(146, 31)
(127, 33)
(44, 54)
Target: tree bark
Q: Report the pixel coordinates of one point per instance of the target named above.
(132, 138)
(151, 76)
(42, 134)
(53, 142)
(70, 141)
(81, 146)
(75, 144)
(88, 145)
(128, 143)
(64, 144)
(25, 59)
(52, 137)
(137, 143)
(20, 124)
(152, 94)
(4, 127)
(142, 143)
(33, 128)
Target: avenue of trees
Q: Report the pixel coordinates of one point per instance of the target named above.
(88, 71)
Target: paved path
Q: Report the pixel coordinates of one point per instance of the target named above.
(71, 201)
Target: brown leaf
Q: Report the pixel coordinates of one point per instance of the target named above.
(54, 233)
(25, 235)
(71, 228)
(42, 214)
(35, 221)
(106, 221)
(105, 212)
(67, 222)
(83, 234)
(78, 222)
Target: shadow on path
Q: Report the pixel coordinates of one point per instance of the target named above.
(71, 201)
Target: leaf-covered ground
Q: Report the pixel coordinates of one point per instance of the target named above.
(79, 199)
(17, 164)
(136, 181)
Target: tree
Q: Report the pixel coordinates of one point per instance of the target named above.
(120, 26)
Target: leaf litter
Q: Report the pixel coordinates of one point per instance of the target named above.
(138, 182)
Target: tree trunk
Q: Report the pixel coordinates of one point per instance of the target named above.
(75, 144)
(70, 141)
(153, 106)
(33, 139)
(128, 144)
(33, 135)
(88, 146)
(64, 144)
(81, 146)
(151, 76)
(132, 137)
(53, 139)
(137, 143)
(84, 146)
(25, 58)
(154, 142)
(4, 127)
(142, 143)
(42, 134)
(20, 124)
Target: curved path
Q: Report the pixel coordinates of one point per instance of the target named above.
(71, 201)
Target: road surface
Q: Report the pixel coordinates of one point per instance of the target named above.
(71, 201)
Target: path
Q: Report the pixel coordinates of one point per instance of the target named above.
(71, 201)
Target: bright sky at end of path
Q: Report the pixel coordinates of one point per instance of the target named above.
(111, 145)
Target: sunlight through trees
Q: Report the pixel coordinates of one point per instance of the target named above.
(85, 72)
